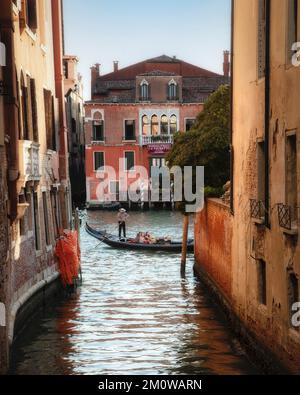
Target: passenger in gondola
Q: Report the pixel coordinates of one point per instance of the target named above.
(122, 218)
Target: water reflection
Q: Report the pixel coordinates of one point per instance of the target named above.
(135, 314)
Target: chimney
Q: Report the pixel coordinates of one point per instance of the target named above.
(226, 64)
(95, 73)
(116, 66)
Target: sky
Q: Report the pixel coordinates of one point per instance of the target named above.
(130, 31)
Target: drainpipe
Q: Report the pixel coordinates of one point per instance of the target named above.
(10, 105)
(267, 114)
(232, 112)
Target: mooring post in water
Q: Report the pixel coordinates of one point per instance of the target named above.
(184, 241)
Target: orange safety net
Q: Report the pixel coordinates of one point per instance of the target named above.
(68, 253)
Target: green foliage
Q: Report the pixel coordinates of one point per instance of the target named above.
(207, 144)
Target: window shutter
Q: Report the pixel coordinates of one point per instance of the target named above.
(261, 53)
(34, 111)
(29, 109)
(48, 117)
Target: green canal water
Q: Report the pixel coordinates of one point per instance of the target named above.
(134, 314)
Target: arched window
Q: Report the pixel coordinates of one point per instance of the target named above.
(144, 91)
(154, 125)
(172, 90)
(173, 124)
(164, 125)
(145, 125)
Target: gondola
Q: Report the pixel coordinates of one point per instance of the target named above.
(113, 241)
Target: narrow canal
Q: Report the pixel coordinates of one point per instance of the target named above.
(133, 315)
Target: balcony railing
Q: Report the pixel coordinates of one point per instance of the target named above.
(160, 139)
(257, 209)
(285, 216)
(29, 160)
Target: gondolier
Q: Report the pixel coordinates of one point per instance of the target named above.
(122, 218)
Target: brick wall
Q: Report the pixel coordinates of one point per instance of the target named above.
(213, 236)
(4, 246)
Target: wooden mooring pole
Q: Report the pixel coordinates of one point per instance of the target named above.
(184, 242)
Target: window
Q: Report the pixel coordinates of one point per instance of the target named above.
(173, 124)
(28, 15)
(154, 125)
(261, 167)
(172, 91)
(292, 25)
(46, 219)
(144, 91)
(293, 293)
(129, 130)
(261, 45)
(291, 174)
(189, 123)
(24, 109)
(35, 131)
(129, 160)
(36, 221)
(98, 131)
(164, 125)
(262, 282)
(55, 211)
(50, 120)
(145, 125)
(157, 162)
(98, 160)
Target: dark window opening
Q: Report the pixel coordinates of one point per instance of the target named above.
(129, 161)
(189, 124)
(293, 293)
(98, 160)
(36, 221)
(98, 131)
(46, 219)
(262, 282)
(31, 14)
(291, 175)
(130, 130)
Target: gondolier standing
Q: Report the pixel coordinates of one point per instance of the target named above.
(122, 218)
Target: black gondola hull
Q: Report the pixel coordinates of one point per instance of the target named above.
(114, 242)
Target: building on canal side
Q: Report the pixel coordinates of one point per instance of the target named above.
(134, 113)
(251, 250)
(35, 198)
(75, 120)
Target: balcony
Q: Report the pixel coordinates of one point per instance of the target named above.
(287, 218)
(29, 161)
(257, 211)
(159, 139)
